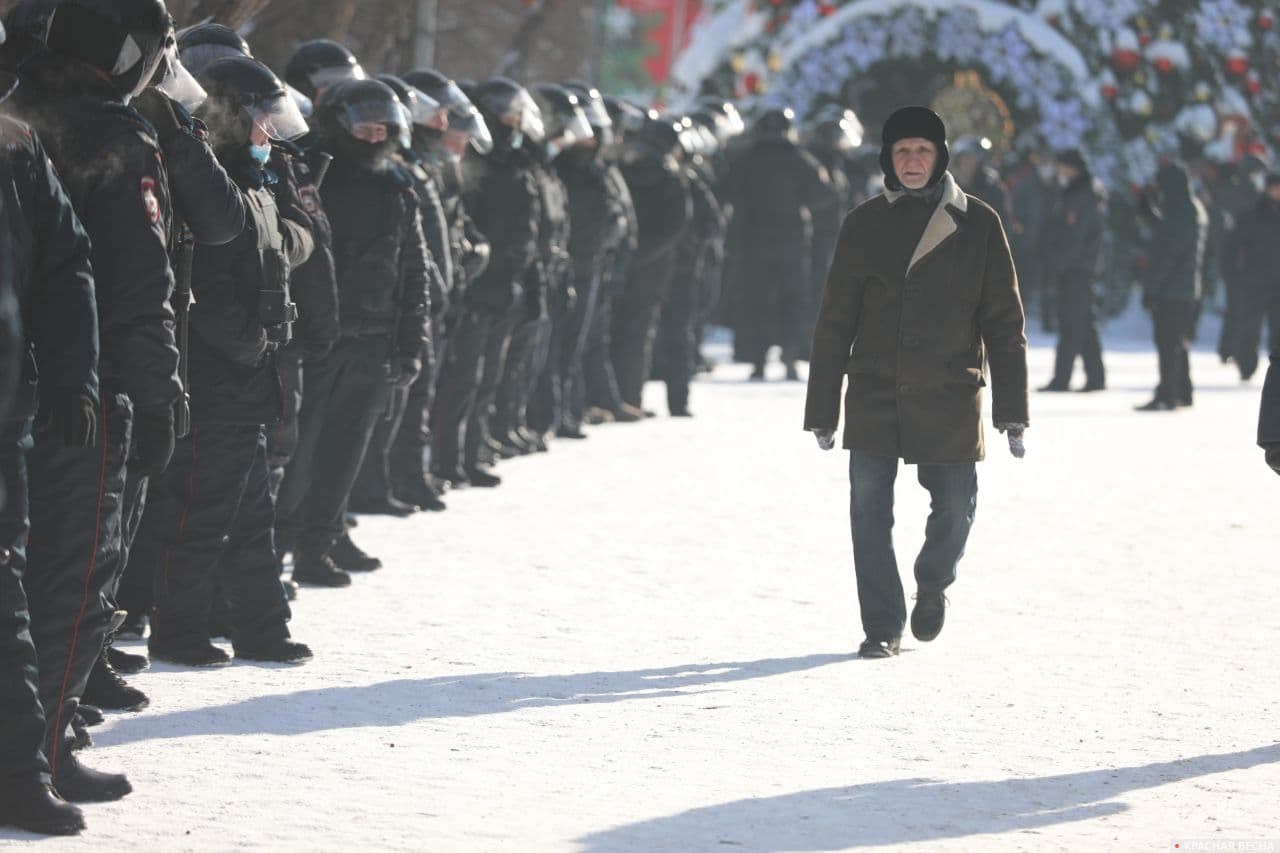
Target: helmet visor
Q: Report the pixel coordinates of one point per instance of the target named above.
(596, 114)
(323, 78)
(278, 117)
(422, 108)
(531, 124)
(178, 82)
(363, 113)
(305, 105)
(577, 128)
(467, 119)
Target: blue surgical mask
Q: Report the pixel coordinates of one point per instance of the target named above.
(261, 154)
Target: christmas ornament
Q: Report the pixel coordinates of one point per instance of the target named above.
(775, 62)
(1266, 20)
(1237, 64)
(1124, 60)
(1253, 85)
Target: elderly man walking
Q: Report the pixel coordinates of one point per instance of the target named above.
(922, 294)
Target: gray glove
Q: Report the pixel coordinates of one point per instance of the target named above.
(1014, 434)
(826, 438)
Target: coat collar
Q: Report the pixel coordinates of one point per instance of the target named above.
(943, 222)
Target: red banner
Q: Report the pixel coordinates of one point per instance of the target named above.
(676, 18)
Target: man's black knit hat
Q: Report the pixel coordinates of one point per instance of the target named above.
(912, 123)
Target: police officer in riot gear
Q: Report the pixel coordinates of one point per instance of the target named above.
(664, 208)
(215, 497)
(44, 264)
(373, 491)
(382, 265)
(441, 149)
(501, 196)
(82, 63)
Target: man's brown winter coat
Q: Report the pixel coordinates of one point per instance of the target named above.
(913, 340)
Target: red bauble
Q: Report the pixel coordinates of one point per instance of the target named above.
(1237, 66)
(1110, 92)
(1054, 21)
(1144, 39)
(826, 9)
(1266, 21)
(1164, 65)
(1125, 61)
(751, 82)
(1253, 86)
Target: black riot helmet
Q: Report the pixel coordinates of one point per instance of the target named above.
(658, 138)
(202, 44)
(837, 131)
(363, 119)
(592, 103)
(510, 112)
(627, 118)
(565, 122)
(776, 123)
(123, 39)
(244, 93)
(463, 123)
(317, 65)
(728, 119)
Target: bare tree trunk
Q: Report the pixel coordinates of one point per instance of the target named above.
(340, 23)
(534, 20)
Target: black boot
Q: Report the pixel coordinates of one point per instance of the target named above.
(349, 557)
(383, 505)
(126, 663)
(876, 648)
(280, 651)
(91, 714)
(483, 479)
(928, 615)
(318, 570)
(134, 627)
(418, 491)
(199, 655)
(35, 807)
(107, 689)
(79, 784)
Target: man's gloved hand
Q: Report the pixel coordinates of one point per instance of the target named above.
(73, 420)
(156, 108)
(826, 438)
(1273, 456)
(1014, 433)
(404, 370)
(153, 440)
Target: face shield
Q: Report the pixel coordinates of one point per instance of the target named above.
(151, 70)
(734, 123)
(709, 142)
(178, 82)
(304, 104)
(278, 117)
(422, 108)
(465, 119)
(531, 124)
(577, 130)
(360, 118)
(326, 77)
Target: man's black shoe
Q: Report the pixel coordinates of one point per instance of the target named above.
(281, 651)
(533, 439)
(681, 413)
(205, 655)
(107, 689)
(91, 714)
(1054, 388)
(420, 493)
(36, 807)
(383, 505)
(928, 615)
(126, 663)
(483, 479)
(455, 477)
(350, 557)
(1156, 405)
(879, 648)
(570, 433)
(757, 373)
(79, 784)
(319, 570)
(1090, 388)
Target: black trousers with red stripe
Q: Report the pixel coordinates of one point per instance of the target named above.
(22, 759)
(74, 559)
(213, 501)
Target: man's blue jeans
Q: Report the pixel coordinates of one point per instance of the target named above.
(953, 490)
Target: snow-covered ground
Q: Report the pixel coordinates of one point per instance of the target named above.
(643, 642)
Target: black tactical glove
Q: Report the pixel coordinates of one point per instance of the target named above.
(73, 420)
(156, 107)
(404, 370)
(1273, 457)
(153, 440)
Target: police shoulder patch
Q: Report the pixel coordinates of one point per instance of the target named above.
(150, 203)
